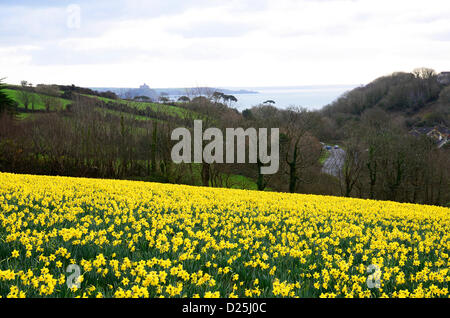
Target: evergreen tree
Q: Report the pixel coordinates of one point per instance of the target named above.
(6, 103)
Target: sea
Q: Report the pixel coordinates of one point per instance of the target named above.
(309, 97)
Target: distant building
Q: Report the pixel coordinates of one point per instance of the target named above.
(444, 78)
(143, 90)
(440, 134)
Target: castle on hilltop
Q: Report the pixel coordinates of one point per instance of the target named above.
(145, 90)
(145, 86)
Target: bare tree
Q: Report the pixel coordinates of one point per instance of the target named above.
(49, 96)
(353, 164)
(25, 93)
(424, 73)
(301, 150)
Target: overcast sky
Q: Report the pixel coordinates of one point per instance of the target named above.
(237, 43)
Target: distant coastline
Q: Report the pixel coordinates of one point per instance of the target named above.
(312, 97)
(177, 91)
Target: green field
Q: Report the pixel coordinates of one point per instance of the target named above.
(166, 109)
(39, 104)
(126, 115)
(235, 181)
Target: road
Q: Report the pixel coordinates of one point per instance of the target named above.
(334, 163)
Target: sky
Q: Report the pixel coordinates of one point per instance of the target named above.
(226, 43)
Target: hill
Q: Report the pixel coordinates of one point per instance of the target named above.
(420, 98)
(136, 239)
(77, 113)
(59, 97)
(384, 152)
(38, 101)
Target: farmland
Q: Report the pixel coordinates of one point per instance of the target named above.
(136, 239)
(39, 105)
(167, 109)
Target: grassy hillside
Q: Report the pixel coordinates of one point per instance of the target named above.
(125, 115)
(39, 104)
(136, 239)
(234, 181)
(167, 109)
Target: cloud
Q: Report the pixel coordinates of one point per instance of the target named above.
(213, 30)
(222, 43)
